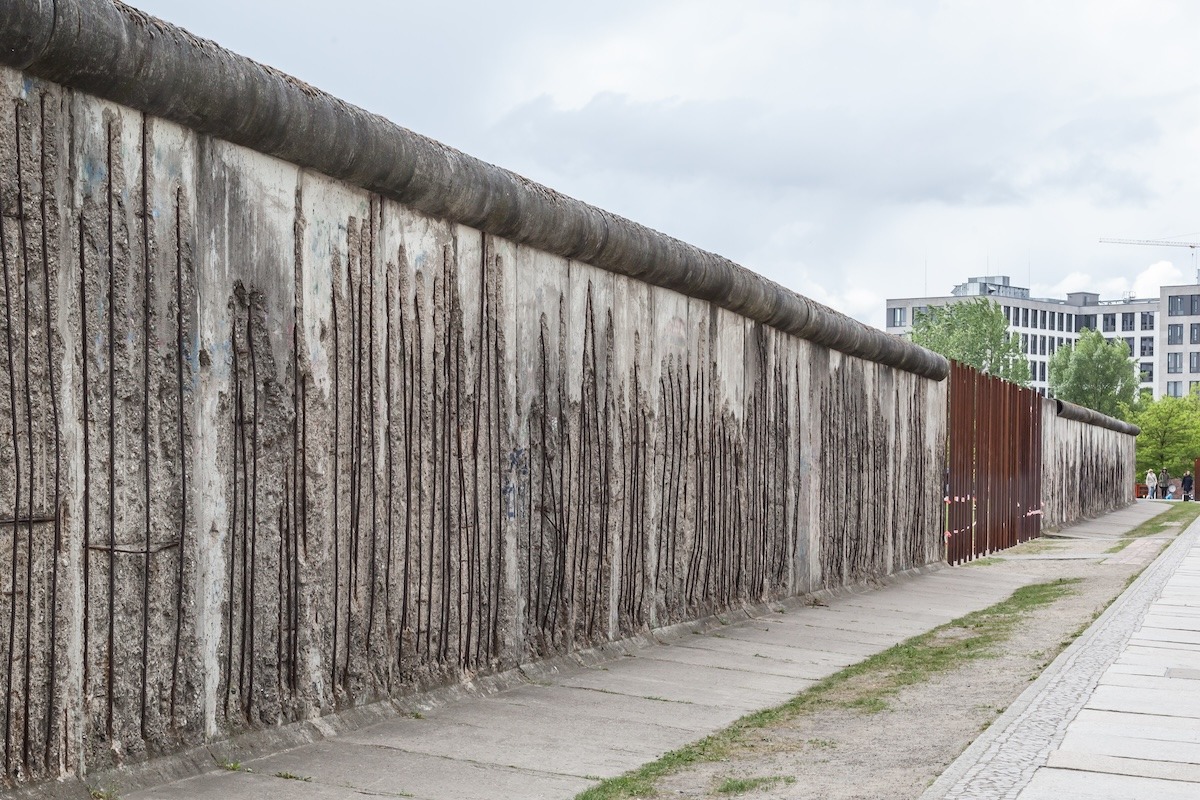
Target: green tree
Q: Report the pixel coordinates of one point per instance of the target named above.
(1170, 434)
(973, 332)
(1096, 373)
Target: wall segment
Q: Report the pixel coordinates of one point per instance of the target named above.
(283, 446)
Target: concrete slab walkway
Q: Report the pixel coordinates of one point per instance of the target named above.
(1117, 715)
(562, 731)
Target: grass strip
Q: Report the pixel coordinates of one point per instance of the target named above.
(1179, 515)
(743, 785)
(864, 686)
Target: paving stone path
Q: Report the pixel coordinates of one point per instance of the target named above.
(1116, 715)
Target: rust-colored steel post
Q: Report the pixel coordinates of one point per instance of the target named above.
(1011, 426)
(953, 469)
(983, 454)
(1035, 479)
(985, 469)
(972, 484)
(962, 444)
(1021, 450)
(1013, 467)
(995, 426)
(999, 424)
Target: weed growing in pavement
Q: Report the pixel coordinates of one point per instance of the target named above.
(865, 686)
(290, 777)
(743, 785)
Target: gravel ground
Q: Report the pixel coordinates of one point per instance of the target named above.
(845, 754)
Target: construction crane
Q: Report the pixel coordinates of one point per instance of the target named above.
(1160, 243)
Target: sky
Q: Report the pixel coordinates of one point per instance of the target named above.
(849, 150)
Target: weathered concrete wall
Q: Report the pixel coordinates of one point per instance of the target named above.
(300, 410)
(280, 446)
(1087, 466)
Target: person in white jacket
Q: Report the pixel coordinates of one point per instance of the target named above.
(1151, 484)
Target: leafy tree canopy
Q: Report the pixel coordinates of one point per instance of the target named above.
(1170, 434)
(1096, 373)
(973, 332)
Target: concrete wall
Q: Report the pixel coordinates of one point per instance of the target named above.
(281, 446)
(301, 411)
(1087, 466)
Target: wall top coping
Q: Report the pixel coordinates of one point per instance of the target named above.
(118, 53)
(1083, 414)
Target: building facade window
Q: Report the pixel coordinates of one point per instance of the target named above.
(1147, 345)
(1193, 362)
(1085, 321)
(1174, 363)
(1183, 305)
(1174, 388)
(1147, 320)
(1042, 345)
(1146, 368)
(1024, 317)
(1109, 321)
(896, 317)
(1042, 316)
(1195, 333)
(1129, 341)
(1175, 333)
(1127, 321)
(1193, 386)
(1042, 371)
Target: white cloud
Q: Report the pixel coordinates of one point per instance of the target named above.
(1144, 284)
(1160, 273)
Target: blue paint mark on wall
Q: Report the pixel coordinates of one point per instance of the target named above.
(189, 351)
(95, 174)
(516, 485)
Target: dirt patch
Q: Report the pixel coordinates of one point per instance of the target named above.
(837, 752)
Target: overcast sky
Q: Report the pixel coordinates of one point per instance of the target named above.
(850, 150)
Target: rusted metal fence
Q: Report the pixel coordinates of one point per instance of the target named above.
(993, 465)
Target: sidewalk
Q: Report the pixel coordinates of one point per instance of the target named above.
(1117, 715)
(565, 729)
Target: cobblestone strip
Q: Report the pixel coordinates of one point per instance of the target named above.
(1001, 762)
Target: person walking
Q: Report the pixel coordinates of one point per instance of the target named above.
(1151, 485)
(1188, 486)
(1164, 478)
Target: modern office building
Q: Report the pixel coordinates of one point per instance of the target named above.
(1163, 333)
(1179, 344)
